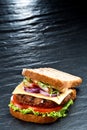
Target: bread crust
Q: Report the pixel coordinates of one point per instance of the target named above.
(32, 118)
(58, 79)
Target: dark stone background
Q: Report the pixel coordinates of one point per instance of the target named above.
(39, 33)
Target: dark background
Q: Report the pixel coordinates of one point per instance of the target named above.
(43, 33)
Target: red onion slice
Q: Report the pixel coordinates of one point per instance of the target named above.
(53, 95)
(47, 94)
(32, 90)
(44, 93)
(38, 90)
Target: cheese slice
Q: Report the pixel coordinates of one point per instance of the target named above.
(19, 90)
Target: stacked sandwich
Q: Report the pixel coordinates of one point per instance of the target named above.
(44, 95)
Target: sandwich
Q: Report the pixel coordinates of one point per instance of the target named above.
(44, 95)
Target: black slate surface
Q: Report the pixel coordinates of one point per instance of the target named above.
(39, 33)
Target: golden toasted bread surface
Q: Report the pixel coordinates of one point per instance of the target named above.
(32, 118)
(58, 79)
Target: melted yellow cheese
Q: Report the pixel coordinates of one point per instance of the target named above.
(19, 90)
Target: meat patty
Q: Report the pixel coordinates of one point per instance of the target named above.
(39, 102)
(35, 102)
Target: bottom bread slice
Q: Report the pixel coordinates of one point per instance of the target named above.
(32, 118)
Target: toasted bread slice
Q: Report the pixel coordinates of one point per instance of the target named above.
(57, 79)
(32, 118)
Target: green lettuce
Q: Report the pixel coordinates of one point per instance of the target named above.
(53, 114)
(50, 88)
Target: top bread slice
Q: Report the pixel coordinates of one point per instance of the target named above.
(57, 79)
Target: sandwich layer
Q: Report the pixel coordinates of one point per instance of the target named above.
(32, 115)
(58, 79)
(32, 118)
(19, 90)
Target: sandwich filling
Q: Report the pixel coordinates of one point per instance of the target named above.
(38, 98)
(34, 86)
(55, 112)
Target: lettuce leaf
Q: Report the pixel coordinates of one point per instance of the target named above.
(53, 114)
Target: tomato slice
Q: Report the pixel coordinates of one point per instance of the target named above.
(38, 109)
(44, 110)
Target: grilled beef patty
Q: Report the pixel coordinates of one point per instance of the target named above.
(35, 102)
(39, 102)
